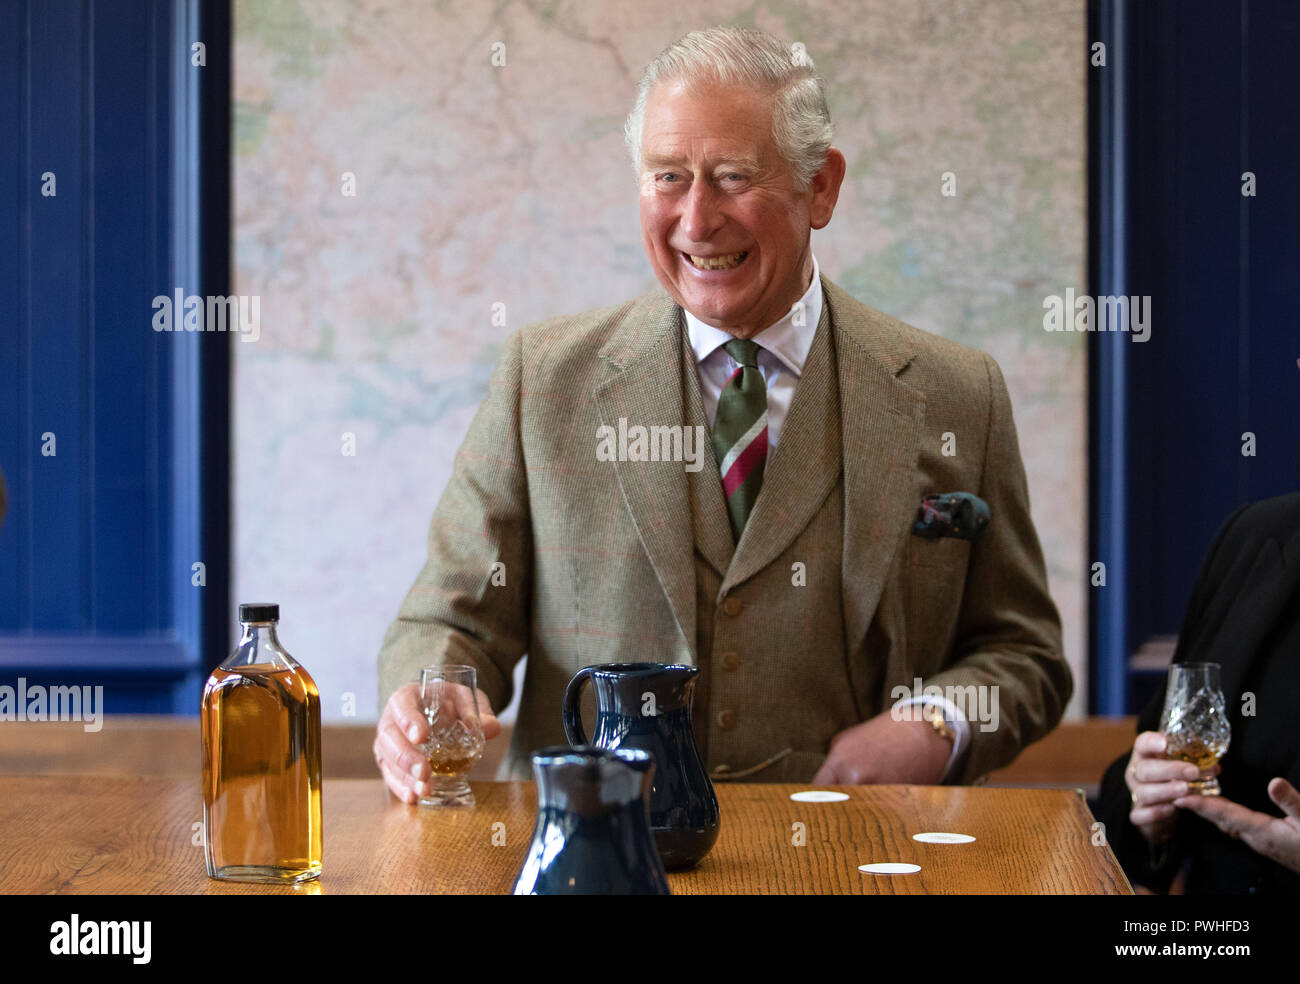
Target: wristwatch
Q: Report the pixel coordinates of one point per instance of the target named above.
(934, 714)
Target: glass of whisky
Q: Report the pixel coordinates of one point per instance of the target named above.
(448, 698)
(1195, 722)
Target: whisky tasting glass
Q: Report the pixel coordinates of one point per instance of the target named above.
(1195, 721)
(455, 742)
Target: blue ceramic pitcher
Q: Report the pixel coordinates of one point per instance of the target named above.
(593, 829)
(647, 706)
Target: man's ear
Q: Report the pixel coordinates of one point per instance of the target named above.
(825, 189)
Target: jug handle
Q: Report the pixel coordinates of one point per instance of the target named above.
(573, 732)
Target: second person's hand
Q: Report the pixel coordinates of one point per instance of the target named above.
(1154, 782)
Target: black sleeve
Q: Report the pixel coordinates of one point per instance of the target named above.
(1145, 865)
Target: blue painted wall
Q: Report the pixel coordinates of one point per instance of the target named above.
(97, 543)
(1196, 93)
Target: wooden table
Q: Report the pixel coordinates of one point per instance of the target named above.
(1072, 756)
(138, 835)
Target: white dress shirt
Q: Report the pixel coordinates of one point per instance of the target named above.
(783, 351)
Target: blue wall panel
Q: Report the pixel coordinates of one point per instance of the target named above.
(1203, 96)
(13, 403)
(56, 352)
(97, 541)
(124, 516)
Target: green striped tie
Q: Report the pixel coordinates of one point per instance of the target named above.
(740, 433)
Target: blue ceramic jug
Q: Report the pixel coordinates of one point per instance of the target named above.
(648, 706)
(593, 827)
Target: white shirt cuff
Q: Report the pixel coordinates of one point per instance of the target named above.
(953, 715)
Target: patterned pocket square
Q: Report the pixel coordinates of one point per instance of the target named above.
(957, 514)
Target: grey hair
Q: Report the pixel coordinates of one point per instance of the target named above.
(801, 120)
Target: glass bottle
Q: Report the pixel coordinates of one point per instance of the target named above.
(261, 760)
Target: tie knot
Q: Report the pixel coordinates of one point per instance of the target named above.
(744, 351)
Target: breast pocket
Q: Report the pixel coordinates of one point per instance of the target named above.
(936, 575)
(947, 551)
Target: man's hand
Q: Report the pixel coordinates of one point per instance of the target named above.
(1274, 837)
(1155, 783)
(885, 750)
(402, 728)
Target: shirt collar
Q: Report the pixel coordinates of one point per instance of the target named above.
(786, 340)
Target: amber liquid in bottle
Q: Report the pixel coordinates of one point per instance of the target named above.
(261, 764)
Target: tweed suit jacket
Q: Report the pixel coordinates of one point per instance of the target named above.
(826, 605)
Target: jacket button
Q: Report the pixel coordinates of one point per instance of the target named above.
(732, 606)
(726, 720)
(730, 661)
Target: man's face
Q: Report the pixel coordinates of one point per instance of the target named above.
(716, 191)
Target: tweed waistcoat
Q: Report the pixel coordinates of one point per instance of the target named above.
(754, 658)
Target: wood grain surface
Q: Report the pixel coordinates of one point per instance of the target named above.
(1074, 754)
(138, 835)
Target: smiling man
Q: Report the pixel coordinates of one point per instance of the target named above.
(724, 218)
(847, 628)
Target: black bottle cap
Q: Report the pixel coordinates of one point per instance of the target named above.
(259, 612)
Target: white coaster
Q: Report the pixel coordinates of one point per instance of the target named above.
(890, 868)
(819, 796)
(941, 838)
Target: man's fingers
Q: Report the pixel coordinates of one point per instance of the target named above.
(1232, 818)
(454, 702)
(398, 753)
(404, 726)
(467, 702)
(405, 712)
(491, 726)
(457, 699)
(1143, 815)
(1148, 762)
(1286, 796)
(1163, 770)
(396, 784)
(1270, 836)
(395, 764)
(1149, 743)
(1152, 793)
(843, 772)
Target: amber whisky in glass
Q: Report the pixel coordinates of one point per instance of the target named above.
(1195, 722)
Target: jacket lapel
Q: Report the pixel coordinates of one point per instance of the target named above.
(801, 471)
(643, 386)
(881, 423)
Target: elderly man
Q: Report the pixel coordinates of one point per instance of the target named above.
(790, 567)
